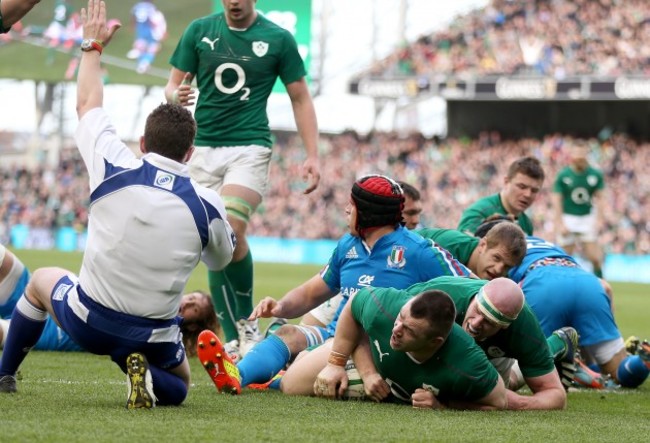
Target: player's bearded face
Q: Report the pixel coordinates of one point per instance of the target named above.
(409, 334)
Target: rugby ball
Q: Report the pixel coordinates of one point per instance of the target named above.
(355, 390)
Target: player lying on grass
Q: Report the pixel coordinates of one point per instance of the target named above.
(149, 226)
(495, 315)
(378, 250)
(488, 257)
(561, 293)
(409, 349)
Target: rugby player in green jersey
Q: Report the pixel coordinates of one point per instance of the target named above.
(419, 355)
(578, 206)
(503, 247)
(521, 186)
(236, 57)
(495, 315)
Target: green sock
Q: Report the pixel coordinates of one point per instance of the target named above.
(240, 276)
(556, 345)
(598, 272)
(225, 304)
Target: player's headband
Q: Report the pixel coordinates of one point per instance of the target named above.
(490, 311)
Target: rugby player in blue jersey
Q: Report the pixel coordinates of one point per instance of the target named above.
(378, 251)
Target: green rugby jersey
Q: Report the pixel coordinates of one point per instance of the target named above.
(235, 71)
(523, 340)
(458, 371)
(459, 244)
(577, 188)
(482, 208)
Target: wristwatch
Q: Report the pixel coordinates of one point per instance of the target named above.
(90, 44)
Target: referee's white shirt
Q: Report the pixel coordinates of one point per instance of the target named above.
(149, 225)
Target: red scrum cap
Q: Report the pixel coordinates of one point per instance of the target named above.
(379, 201)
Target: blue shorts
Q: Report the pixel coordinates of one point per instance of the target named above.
(564, 296)
(104, 331)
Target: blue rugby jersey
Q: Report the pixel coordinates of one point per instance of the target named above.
(537, 249)
(397, 260)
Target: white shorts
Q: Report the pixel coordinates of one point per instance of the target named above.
(602, 352)
(246, 166)
(325, 312)
(582, 228)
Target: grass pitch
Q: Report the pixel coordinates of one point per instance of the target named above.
(29, 61)
(80, 397)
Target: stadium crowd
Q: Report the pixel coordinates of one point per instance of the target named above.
(451, 174)
(558, 38)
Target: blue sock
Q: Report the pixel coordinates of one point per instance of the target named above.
(27, 324)
(275, 384)
(168, 388)
(266, 359)
(632, 372)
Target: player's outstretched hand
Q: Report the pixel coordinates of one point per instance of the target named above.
(267, 308)
(311, 174)
(94, 22)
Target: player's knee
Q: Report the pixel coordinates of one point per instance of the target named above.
(292, 337)
(41, 284)
(238, 208)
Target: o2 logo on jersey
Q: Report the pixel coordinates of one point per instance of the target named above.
(239, 84)
(580, 196)
(164, 180)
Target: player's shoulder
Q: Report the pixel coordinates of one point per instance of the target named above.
(269, 25)
(410, 240)
(525, 319)
(210, 196)
(459, 343)
(488, 201)
(347, 240)
(207, 21)
(596, 171)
